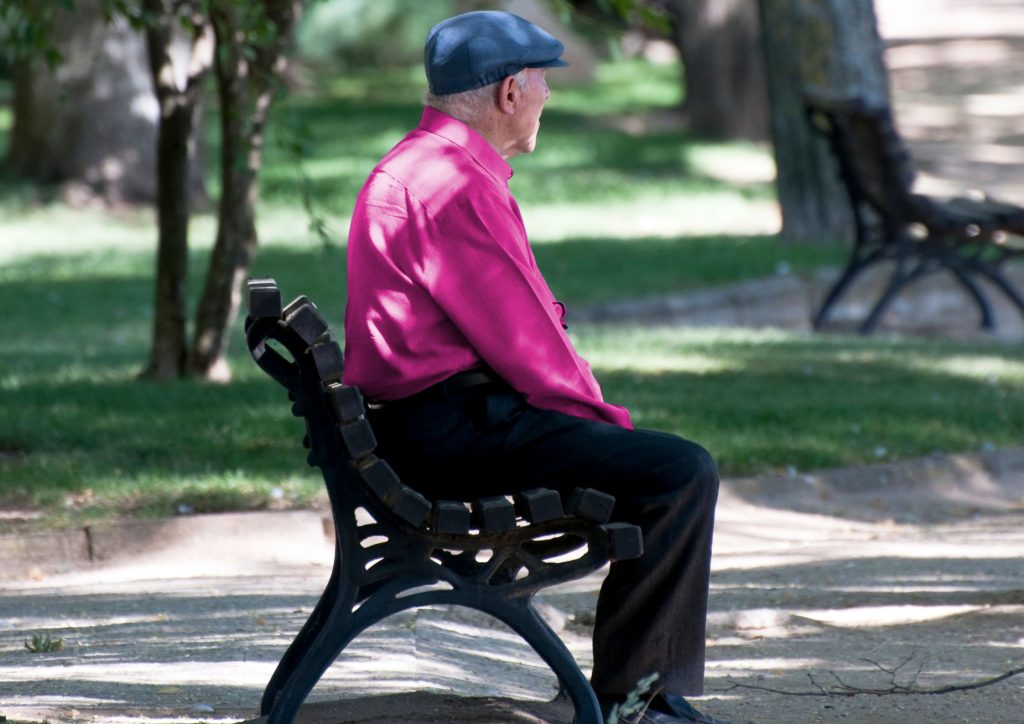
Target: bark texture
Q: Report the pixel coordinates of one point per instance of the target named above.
(177, 80)
(91, 121)
(252, 41)
(831, 46)
(725, 86)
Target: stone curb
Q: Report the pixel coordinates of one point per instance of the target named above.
(964, 484)
(230, 535)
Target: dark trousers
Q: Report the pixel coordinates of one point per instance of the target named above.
(651, 612)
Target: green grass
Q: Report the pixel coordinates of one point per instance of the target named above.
(772, 401)
(614, 212)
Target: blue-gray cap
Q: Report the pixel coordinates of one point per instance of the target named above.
(479, 48)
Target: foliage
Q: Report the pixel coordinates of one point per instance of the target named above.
(44, 644)
(368, 33)
(635, 703)
(25, 29)
(651, 14)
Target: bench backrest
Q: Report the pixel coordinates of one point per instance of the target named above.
(294, 345)
(873, 160)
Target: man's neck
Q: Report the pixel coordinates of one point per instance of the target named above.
(492, 129)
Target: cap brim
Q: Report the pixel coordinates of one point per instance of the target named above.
(553, 63)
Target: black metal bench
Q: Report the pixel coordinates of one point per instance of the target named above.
(971, 238)
(396, 550)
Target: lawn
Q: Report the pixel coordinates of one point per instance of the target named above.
(618, 203)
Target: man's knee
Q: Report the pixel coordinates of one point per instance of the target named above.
(696, 473)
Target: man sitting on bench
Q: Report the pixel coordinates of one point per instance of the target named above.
(475, 389)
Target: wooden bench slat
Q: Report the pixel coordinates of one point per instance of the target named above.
(378, 477)
(346, 402)
(494, 514)
(591, 504)
(329, 360)
(306, 322)
(383, 481)
(358, 438)
(409, 505)
(539, 505)
(625, 541)
(451, 517)
(263, 298)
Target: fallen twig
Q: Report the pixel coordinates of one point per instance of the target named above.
(844, 689)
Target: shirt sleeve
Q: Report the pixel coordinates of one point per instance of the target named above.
(481, 272)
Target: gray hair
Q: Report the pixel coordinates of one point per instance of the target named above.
(470, 106)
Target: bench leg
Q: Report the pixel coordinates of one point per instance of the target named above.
(336, 630)
(988, 319)
(297, 649)
(342, 625)
(1007, 288)
(900, 279)
(526, 622)
(857, 264)
(837, 290)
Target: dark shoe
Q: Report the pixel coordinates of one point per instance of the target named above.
(685, 711)
(664, 709)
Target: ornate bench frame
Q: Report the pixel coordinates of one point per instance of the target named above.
(394, 549)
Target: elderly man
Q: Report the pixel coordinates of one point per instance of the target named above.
(475, 388)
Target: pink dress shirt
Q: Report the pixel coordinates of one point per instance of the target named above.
(441, 278)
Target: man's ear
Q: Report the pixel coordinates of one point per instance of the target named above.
(508, 95)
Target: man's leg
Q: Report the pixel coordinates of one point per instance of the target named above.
(651, 611)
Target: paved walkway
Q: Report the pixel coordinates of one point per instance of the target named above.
(932, 307)
(815, 577)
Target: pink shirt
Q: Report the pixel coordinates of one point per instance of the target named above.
(441, 278)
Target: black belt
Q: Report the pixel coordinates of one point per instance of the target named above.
(443, 389)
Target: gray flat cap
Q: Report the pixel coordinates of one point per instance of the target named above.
(479, 48)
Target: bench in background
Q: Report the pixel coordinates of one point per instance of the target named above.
(971, 238)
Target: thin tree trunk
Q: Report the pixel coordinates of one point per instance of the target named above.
(247, 81)
(830, 45)
(178, 104)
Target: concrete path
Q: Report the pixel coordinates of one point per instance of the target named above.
(910, 568)
(934, 307)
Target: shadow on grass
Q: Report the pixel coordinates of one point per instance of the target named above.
(81, 422)
(808, 405)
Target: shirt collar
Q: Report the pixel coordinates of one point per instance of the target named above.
(454, 130)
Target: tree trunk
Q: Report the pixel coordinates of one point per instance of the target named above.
(247, 72)
(830, 45)
(178, 90)
(725, 87)
(90, 122)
